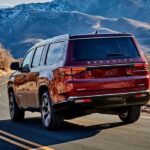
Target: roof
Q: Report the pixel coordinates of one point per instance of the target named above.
(66, 37)
(101, 35)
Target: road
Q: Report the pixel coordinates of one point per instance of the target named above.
(93, 132)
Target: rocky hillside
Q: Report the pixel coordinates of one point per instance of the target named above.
(24, 25)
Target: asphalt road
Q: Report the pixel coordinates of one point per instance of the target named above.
(93, 132)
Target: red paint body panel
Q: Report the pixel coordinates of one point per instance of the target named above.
(105, 80)
(100, 81)
(69, 78)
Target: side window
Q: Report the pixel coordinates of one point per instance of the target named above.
(37, 56)
(27, 59)
(55, 52)
(43, 57)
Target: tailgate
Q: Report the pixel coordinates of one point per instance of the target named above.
(108, 79)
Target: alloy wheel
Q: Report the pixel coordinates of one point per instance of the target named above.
(46, 111)
(11, 105)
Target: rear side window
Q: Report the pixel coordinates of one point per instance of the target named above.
(55, 52)
(104, 48)
(37, 56)
(43, 57)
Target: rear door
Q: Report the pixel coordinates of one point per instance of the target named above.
(33, 77)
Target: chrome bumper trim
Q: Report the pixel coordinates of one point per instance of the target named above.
(105, 95)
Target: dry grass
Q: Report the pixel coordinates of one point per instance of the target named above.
(5, 60)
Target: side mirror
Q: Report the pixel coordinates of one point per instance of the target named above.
(15, 66)
(26, 68)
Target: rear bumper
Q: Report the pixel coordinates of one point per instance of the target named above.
(105, 101)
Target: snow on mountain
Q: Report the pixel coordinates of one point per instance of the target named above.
(24, 25)
(133, 9)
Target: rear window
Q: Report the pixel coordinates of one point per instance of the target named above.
(104, 48)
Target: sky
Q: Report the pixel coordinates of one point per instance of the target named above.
(11, 3)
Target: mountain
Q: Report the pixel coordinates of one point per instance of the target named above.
(4, 7)
(133, 9)
(24, 25)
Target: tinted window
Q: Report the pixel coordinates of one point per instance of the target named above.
(104, 48)
(37, 56)
(27, 59)
(43, 57)
(55, 52)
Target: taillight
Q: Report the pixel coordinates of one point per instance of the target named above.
(81, 73)
(78, 71)
(70, 71)
(141, 69)
(138, 69)
(140, 66)
(88, 100)
(74, 73)
(140, 95)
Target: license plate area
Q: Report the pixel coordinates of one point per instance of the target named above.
(110, 101)
(106, 73)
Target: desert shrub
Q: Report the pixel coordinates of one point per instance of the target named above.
(5, 59)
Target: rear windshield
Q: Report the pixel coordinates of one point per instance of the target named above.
(104, 48)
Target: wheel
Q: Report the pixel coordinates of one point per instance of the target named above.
(50, 119)
(131, 115)
(16, 113)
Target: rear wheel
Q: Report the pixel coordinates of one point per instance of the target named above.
(50, 119)
(131, 115)
(16, 113)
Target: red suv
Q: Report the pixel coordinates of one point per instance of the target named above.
(70, 76)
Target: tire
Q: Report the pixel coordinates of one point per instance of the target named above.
(50, 120)
(16, 113)
(131, 115)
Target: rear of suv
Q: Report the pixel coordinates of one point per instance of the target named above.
(70, 76)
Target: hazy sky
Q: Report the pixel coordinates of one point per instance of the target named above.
(15, 2)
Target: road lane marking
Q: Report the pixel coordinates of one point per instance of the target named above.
(20, 139)
(39, 146)
(2, 83)
(15, 143)
(146, 117)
